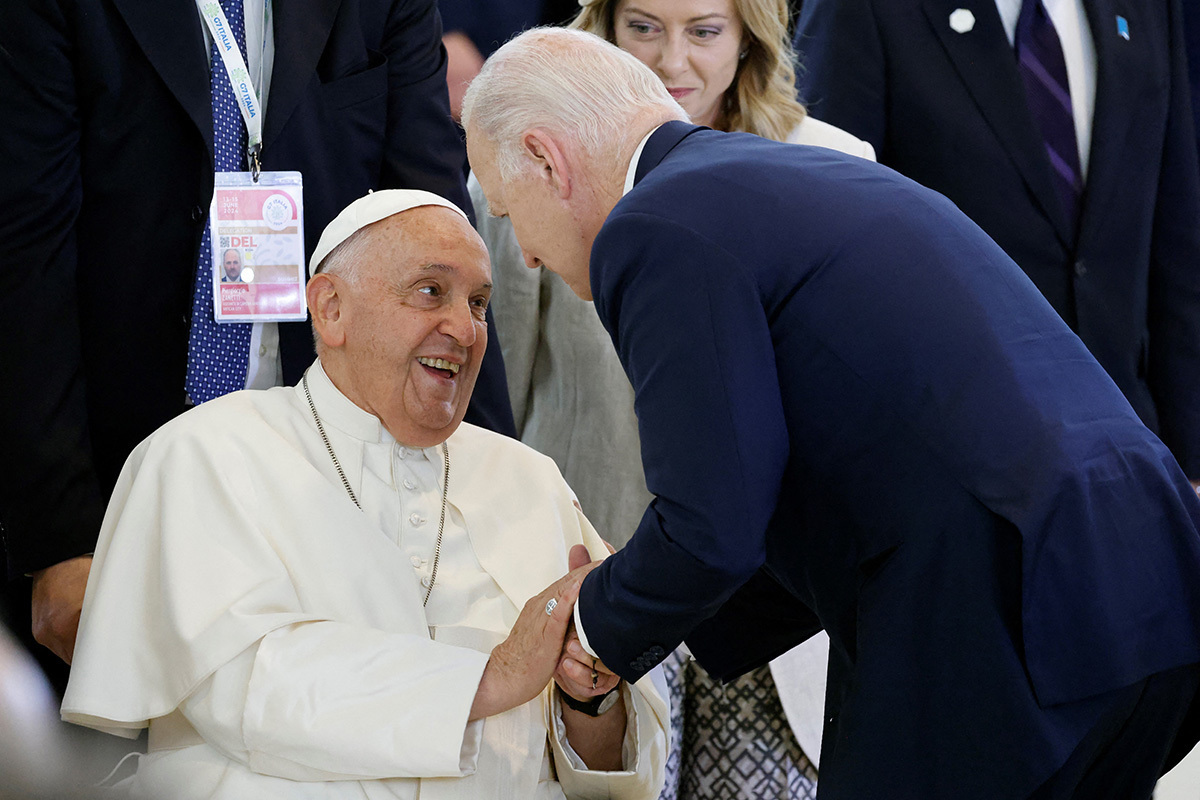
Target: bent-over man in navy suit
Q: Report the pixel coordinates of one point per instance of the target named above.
(856, 413)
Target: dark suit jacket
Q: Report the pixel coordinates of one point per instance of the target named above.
(848, 395)
(1191, 30)
(948, 110)
(106, 157)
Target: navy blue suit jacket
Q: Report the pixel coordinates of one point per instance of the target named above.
(1191, 31)
(106, 157)
(948, 110)
(857, 413)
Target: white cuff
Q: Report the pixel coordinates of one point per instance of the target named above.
(583, 636)
(629, 744)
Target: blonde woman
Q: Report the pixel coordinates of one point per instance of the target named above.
(729, 64)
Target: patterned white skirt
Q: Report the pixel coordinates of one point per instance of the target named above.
(731, 742)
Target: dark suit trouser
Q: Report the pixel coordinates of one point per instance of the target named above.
(1147, 729)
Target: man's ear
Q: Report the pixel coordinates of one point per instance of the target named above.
(325, 305)
(550, 159)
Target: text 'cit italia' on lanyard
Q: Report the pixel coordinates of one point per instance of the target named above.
(239, 76)
(256, 217)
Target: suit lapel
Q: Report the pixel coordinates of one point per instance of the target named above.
(301, 29)
(984, 61)
(1116, 58)
(168, 31)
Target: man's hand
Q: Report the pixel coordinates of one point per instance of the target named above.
(521, 665)
(57, 602)
(576, 668)
(580, 675)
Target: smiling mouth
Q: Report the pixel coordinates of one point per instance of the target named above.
(678, 93)
(447, 368)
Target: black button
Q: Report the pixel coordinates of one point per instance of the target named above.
(197, 214)
(1080, 268)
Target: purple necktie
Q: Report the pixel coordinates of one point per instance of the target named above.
(219, 353)
(1044, 72)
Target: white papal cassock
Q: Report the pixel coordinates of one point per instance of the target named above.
(272, 635)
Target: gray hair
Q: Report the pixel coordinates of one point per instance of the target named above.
(343, 260)
(566, 81)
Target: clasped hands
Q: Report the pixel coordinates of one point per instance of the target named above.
(544, 646)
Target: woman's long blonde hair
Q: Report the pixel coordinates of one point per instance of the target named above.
(762, 99)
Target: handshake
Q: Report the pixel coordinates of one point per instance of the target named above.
(544, 645)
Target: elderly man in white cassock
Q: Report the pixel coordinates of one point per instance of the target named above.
(338, 589)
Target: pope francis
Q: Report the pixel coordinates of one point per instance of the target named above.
(339, 590)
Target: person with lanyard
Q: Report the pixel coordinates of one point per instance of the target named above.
(121, 119)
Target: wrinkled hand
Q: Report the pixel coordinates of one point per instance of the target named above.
(522, 665)
(57, 603)
(576, 667)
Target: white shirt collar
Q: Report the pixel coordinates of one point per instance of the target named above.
(339, 411)
(631, 173)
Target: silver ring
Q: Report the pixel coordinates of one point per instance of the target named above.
(551, 604)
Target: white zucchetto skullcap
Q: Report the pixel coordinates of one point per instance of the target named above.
(370, 209)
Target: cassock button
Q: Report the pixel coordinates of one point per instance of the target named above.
(425, 581)
(409, 484)
(1080, 268)
(416, 561)
(415, 519)
(197, 214)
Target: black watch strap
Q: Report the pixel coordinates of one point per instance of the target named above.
(594, 707)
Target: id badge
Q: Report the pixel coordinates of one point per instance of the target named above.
(258, 247)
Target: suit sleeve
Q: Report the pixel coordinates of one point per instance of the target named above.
(424, 148)
(425, 151)
(50, 498)
(1191, 28)
(842, 76)
(692, 334)
(1174, 294)
(727, 647)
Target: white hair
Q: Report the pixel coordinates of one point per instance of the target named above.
(566, 81)
(343, 260)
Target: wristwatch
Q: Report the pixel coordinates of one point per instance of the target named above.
(597, 705)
